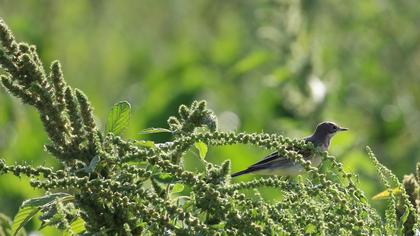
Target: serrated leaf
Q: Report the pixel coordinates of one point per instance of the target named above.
(24, 215)
(41, 201)
(155, 130)
(6, 227)
(387, 193)
(202, 149)
(78, 225)
(145, 143)
(30, 207)
(177, 188)
(118, 118)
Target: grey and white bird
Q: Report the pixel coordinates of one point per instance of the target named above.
(274, 164)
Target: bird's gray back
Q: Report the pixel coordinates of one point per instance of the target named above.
(322, 142)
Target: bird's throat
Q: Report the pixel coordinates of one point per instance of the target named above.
(327, 141)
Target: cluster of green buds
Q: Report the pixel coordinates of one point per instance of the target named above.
(112, 186)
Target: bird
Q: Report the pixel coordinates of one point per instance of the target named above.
(275, 164)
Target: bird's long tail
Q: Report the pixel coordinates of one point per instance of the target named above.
(242, 172)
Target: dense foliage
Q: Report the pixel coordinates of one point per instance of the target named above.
(112, 186)
(276, 66)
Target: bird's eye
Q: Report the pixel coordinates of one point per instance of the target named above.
(334, 128)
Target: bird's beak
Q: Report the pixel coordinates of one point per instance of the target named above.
(342, 129)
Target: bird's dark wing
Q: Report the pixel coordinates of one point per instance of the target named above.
(268, 158)
(270, 161)
(274, 159)
(275, 155)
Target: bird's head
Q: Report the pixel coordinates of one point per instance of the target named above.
(328, 129)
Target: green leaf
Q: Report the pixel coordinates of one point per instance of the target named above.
(188, 205)
(76, 227)
(219, 226)
(164, 178)
(6, 226)
(177, 188)
(310, 229)
(92, 165)
(404, 217)
(202, 149)
(144, 143)
(387, 193)
(118, 118)
(24, 215)
(44, 200)
(155, 130)
(32, 206)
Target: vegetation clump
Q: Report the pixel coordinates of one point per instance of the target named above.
(111, 186)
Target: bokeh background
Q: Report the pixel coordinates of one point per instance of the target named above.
(275, 66)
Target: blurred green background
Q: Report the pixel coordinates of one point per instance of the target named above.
(272, 66)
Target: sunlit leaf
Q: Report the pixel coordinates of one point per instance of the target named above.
(24, 215)
(118, 118)
(177, 188)
(310, 229)
(155, 130)
(220, 225)
(32, 206)
(387, 193)
(77, 227)
(202, 149)
(164, 178)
